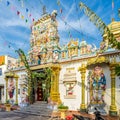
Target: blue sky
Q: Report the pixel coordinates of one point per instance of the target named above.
(15, 31)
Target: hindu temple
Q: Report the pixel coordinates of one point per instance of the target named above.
(81, 77)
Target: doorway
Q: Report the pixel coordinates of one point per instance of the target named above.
(39, 91)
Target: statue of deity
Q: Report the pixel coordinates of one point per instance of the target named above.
(11, 88)
(97, 85)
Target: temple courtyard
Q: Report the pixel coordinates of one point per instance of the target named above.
(43, 111)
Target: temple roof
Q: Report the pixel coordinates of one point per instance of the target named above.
(114, 26)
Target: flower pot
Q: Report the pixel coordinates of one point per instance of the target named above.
(62, 113)
(8, 107)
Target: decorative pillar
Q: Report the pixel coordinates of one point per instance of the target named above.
(55, 95)
(82, 70)
(16, 99)
(6, 88)
(52, 84)
(113, 108)
(57, 83)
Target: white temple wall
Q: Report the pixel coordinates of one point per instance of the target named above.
(2, 83)
(73, 103)
(107, 96)
(20, 82)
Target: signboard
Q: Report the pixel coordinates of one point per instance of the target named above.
(2, 60)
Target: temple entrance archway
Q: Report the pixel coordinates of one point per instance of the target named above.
(39, 91)
(47, 86)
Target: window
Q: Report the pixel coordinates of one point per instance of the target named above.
(9, 61)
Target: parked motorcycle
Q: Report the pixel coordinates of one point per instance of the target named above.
(79, 117)
(97, 115)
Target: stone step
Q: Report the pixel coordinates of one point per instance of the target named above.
(36, 114)
(38, 109)
(48, 111)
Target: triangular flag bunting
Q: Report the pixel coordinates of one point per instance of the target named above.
(22, 17)
(26, 9)
(60, 10)
(33, 19)
(8, 3)
(18, 12)
(26, 20)
(29, 15)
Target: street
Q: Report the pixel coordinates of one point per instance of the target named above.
(18, 116)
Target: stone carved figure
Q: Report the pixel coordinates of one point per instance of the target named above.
(97, 85)
(11, 88)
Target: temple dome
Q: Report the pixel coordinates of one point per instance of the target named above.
(114, 26)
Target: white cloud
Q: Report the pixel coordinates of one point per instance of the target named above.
(82, 25)
(13, 22)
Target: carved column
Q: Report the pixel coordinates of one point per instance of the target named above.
(52, 84)
(113, 108)
(6, 88)
(55, 95)
(82, 70)
(16, 98)
(57, 83)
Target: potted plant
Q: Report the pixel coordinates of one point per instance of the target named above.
(62, 108)
(8, 105)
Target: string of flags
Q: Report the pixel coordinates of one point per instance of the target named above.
(26, 19)
(18, 13)
(59, 4)
(14, 8)
(62, 17)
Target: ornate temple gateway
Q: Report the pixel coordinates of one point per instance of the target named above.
(81, 78)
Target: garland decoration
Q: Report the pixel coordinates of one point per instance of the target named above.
(100, 25)
(29, 73)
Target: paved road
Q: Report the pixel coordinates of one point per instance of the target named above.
(18, 116)
(37, 111)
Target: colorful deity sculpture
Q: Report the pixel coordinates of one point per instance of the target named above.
(11, 88)
(97, 85)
